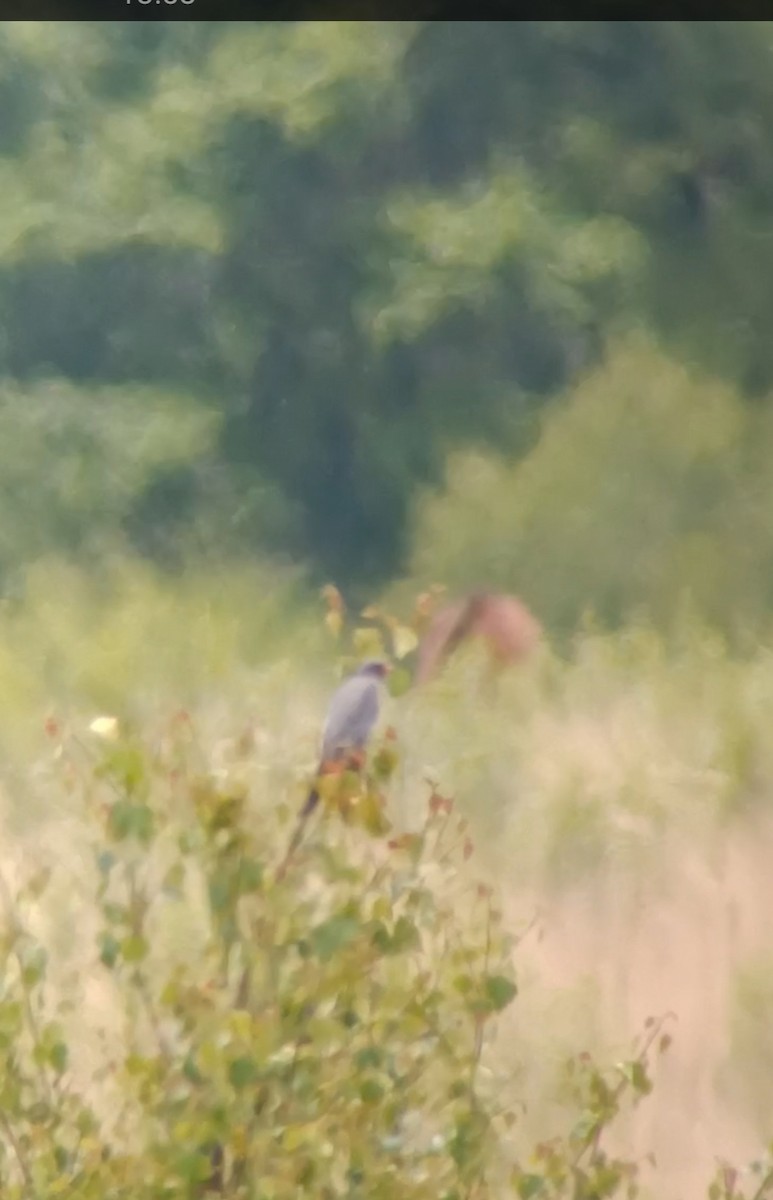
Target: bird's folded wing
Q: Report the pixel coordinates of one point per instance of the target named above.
(352, 714)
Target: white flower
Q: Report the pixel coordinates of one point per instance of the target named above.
(105, 727)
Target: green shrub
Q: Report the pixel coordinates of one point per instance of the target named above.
(329, 1035)
(341, 1031)
(631, 501)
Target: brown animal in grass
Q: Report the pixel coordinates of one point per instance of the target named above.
(504, 623)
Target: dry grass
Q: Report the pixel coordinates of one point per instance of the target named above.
(623, 797)
(624, 800)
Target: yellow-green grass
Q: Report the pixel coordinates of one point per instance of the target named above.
(619, 797)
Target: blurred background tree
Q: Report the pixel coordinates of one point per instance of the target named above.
(348, 250)
(647, 490)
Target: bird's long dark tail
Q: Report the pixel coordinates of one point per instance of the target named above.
(312, 800)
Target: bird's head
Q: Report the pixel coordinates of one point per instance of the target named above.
(377, 668)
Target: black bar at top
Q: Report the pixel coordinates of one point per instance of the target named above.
(370, 10)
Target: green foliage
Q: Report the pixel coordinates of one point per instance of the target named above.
(321, 1035)
(92, 454)
(361, 251)
(137, 639)
(463, 253)
(308, 1072)
(631, 501)
(353, 1028)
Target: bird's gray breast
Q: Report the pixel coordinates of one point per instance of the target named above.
(353, 712)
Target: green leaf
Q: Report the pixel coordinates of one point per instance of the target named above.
(380, 937)
(307, 1173)
(58, 1057)
(372, 816)
(195, 1167)
(636, 1074)
(33, 960)
(128, 820)
(85, 1123)
(117, 914)
(368, 642)
(191, 1071)
(530, 1186)
(63, 1159)
(249, 876)
(221, 891)
(126, 764)
(223, 810)
(241, 1072)
(399, 682)
(585, 1127)
(500, 991)
(371, 1091)
(371, 1056)
(105, 862)
(466, 1144)
(404, 936)
(332, 935)
(134, 948)
(39, 1112)
(11, 1020)
(109, 949)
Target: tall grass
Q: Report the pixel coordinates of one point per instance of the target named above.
(619, 795)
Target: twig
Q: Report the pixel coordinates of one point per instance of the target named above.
(591, 1142)
(295, 842)
(138, 911)
(7, 1129)
(480, 1021)
(32, 1021)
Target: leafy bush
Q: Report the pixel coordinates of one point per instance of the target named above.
(631, 501)
(335, 1032)
(92, 453)
(324, 1035)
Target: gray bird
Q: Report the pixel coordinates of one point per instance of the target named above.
(351, 716)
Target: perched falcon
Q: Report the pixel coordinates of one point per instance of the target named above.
(351, 716)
